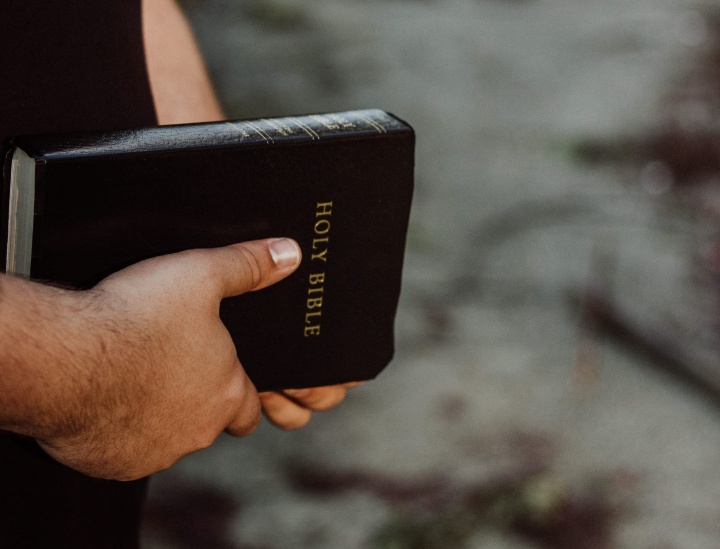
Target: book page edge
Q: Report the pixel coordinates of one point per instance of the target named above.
(21, 213)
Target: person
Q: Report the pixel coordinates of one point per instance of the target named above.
(120, 381)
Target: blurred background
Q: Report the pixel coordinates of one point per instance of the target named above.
(557, 375)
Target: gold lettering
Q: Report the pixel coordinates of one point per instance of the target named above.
(323, 208)
(322, 226)
(314, 302)
(320, 255)
(317, 241)
(315, 291)
(309, 316)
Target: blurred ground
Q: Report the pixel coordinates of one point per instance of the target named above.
(504, 421)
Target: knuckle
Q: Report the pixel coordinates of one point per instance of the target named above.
(248, 417)
(247, 424)
(254, 416)
(249, 264)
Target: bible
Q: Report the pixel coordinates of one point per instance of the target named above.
(77, 207)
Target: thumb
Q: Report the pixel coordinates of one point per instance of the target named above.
(254, 265)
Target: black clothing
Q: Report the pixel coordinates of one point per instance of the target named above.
(72, 65)
(68, 66)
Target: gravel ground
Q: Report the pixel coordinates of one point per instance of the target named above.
(503, 421)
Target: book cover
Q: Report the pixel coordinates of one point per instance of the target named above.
(76, 208)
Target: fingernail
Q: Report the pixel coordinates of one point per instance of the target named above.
(284, 252)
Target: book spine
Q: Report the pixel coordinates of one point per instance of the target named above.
(314, 127)
(265, 131)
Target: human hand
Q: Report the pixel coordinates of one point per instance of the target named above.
(168, 381)
(293, 408)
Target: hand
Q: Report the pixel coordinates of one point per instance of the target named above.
(293, 408)
(125, 379)
(168, 381)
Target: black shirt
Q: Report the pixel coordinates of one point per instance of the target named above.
(68, 65)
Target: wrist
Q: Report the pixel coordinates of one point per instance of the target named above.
(48, 374)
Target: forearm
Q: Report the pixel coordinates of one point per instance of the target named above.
(180, 85)
(46, 370)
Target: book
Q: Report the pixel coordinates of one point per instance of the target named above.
(77, 207)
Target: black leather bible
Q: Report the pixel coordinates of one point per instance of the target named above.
(78, 207)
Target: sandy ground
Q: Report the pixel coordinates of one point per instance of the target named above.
(502, 422)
